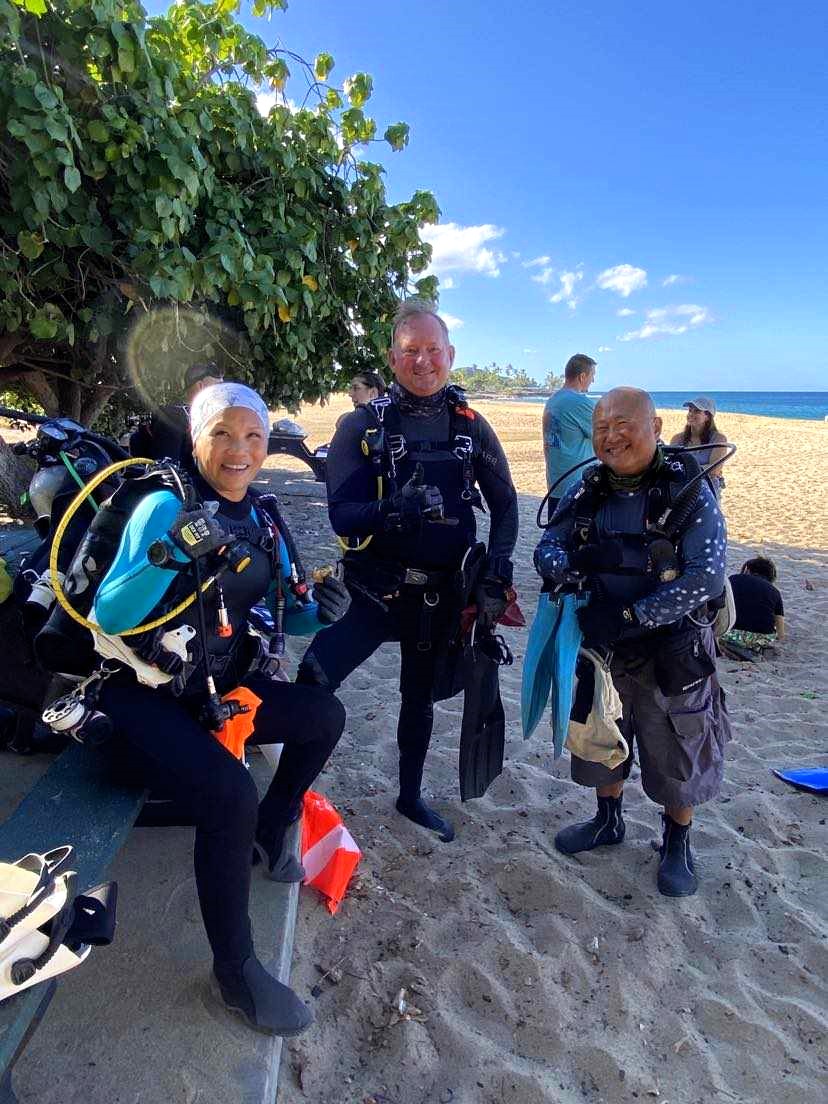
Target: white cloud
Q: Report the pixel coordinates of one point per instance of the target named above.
(623, 278)
(458, 248)
(446, 283)
(545, 276)
(605, 348)
(565, 295)
(452, 321)
(537, 262)
(674, 278)
(666, 321)
(530, 352)
(624, 312)
(266, 100)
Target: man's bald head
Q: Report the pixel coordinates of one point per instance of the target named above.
(631, 399)
(625, 430)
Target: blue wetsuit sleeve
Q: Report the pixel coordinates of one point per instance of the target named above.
(551, 559)
(701, 550)
(133, 587)
(353, 506)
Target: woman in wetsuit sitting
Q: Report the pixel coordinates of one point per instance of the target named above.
(701, 430)
(165, 740)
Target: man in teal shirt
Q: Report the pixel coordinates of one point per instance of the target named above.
(567, 426)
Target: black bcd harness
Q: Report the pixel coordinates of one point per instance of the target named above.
(673, 488)
(385, 445)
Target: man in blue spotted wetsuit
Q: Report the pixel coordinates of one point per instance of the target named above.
(652, 623)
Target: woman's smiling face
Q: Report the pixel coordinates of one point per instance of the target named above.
(230, 451)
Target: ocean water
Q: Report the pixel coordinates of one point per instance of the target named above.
(771, 404)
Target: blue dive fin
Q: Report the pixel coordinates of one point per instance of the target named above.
(536, 679)
(813, 779)
(564, 658)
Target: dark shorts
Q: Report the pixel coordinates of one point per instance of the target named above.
(680, 739)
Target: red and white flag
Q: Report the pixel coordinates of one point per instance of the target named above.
(329, 851)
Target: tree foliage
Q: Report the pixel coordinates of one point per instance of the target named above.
(493, 379)
(137, 173)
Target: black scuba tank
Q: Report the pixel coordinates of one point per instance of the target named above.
(63, 644)
(99, 546)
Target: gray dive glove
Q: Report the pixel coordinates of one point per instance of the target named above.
(332, 598)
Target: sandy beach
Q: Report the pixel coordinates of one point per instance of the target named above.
(540, 979)
(533, 978)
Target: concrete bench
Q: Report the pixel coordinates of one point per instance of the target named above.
(74, 802)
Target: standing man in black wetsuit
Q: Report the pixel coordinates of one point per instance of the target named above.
(403, 473)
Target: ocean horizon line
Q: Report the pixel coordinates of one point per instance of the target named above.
(796, 405)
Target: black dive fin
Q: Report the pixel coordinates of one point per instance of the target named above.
(483, 732)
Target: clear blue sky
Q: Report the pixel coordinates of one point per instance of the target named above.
(667, 160)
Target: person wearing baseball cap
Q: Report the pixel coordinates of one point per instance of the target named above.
(701, 429)
(167, 433)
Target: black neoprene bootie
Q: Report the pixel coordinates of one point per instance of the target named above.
(277, 851)
(265, 1003)
(606, 827)
(421, 814)
(676, 872)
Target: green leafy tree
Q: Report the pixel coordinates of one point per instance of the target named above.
(151, 215)
(493, 379)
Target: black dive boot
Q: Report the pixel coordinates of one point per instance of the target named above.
(275, 847)
(607, 826)
(676, 872)
(264, 1002)
(413, 736)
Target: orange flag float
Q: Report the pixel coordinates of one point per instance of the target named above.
(329, 851)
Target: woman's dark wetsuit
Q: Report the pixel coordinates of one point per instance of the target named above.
(163, 745)
(430, 432)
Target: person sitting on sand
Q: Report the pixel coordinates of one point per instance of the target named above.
(701, 430)
(760, 614)
(365, 387)
(167, 434)
(647, 613)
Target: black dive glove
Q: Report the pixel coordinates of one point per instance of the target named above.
(416, 499)
(332, 598)
(603, 623)
(197, 533)
(148, 646)
(491, 601)
(592, 559)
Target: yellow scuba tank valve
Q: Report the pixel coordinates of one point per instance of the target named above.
(56, 577)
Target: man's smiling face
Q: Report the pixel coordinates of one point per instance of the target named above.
(625, 431)
(421, 357)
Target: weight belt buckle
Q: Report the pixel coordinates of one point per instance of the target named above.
(415, 578)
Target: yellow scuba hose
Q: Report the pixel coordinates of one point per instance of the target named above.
(342, 541)
(73, 507)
